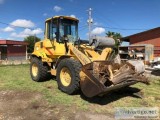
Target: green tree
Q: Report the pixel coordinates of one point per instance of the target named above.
(110, 34)
(115, 36)
(31, 40)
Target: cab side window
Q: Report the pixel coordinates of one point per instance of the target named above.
(52, 30)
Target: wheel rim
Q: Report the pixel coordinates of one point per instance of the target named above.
(65, 76)
(34, 70)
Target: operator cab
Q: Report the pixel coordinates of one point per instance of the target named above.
(62, 29)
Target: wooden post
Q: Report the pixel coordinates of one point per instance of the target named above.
(26, 53)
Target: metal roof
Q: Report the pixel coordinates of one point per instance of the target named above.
(128, 37)
(12, 42)
(67, 17)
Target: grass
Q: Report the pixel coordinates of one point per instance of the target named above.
(18, 78)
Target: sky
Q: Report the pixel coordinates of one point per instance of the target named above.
(126, 17)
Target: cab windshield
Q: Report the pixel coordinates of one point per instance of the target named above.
(68, 28)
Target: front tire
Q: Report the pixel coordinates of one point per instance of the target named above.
(68, 78)
(39, 70)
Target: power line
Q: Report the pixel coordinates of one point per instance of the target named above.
(120, 28)
(101, 17)
(31, 28)
(16, 26)
(81, 27)
(19, 27)
(84, 28)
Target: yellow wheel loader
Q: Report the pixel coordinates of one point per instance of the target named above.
(93, 66)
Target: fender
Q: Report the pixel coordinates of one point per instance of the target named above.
(61, 58)
(41, 54)
(53, 70)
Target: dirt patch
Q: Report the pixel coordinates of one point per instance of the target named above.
(22, 105)
(89, 116)
(17, 105)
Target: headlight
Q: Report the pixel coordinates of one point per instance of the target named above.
(37, 48)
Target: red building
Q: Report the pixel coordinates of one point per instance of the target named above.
(13, 50)
(147, 37)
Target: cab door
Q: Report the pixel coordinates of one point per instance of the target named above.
(53, 48)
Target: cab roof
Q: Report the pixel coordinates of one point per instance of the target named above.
(67, 17)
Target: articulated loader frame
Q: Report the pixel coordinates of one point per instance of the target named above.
(101, 71)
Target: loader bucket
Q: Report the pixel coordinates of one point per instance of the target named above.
(96, 78)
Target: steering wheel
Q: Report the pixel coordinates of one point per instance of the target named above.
(71, 38)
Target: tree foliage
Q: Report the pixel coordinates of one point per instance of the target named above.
(110, 34)
(31, 40)
(116, 36)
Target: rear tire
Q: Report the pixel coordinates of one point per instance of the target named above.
(68, 78)
(39, 70)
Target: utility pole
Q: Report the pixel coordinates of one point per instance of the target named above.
(34, 38)
(34, 35)
(89, 21)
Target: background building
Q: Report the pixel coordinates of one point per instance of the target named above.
(13, 50)
(147, 37)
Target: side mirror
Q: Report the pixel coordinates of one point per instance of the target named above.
(93, 42)
(77, 42)
(65, 38)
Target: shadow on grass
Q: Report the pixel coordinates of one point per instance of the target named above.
(50, 78)
(110, 97)
(115, 95)
(156, 72)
